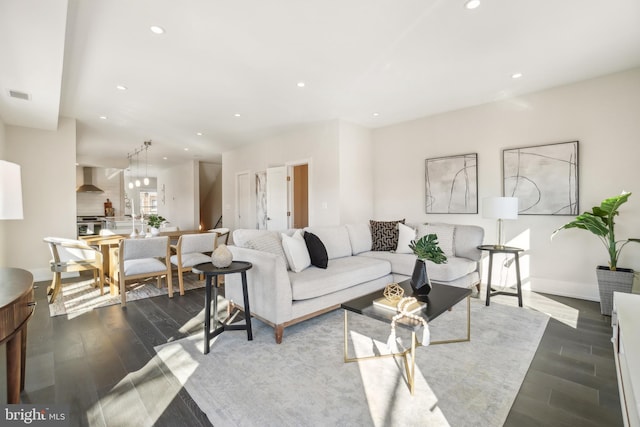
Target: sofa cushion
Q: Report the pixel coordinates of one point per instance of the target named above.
(295, 249)
(317, 251)
(341, 273)
(360, 237)
(445, 233)
(400, 263)
(454, 268)
(384, 235)
(405, 235)
(267, 242)
(335, 240)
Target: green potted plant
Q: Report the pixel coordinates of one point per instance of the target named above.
(601, 222)
(425, 248)
(155, 221)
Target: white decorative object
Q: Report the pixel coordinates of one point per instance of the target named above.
(222, 257)
(134, 232)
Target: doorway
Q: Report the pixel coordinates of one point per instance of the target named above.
(300, 192)
(243, 216)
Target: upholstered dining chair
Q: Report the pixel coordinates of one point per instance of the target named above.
(143, 258)
(68, 255)
(223, 235)
(192, 249)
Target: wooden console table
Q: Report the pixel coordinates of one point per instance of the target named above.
(17, 305)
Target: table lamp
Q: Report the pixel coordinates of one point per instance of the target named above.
(500, 208)
(10, 191)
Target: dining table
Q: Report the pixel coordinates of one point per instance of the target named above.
(108, 244)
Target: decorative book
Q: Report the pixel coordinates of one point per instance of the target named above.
(393, 305)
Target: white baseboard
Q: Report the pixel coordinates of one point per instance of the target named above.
(586, 291)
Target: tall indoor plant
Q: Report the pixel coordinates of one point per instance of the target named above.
(601, 222)
(425, 248)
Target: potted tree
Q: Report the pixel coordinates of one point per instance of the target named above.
(600, 221)
(425, 248)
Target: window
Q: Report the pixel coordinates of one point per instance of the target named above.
(148, 202)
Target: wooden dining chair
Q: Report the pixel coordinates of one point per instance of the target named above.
(143, 258)
(223, 235)
(191, 250)
(68, 255)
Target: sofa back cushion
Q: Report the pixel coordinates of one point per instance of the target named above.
(445, 233)
(335, 240)
(360, 237)
(467, 240)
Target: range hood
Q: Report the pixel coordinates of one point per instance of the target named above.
(87, 186)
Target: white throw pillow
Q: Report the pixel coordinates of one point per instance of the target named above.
(405, 235)
(295, 249)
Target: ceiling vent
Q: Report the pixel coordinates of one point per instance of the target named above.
(20, 95)
(87, 186)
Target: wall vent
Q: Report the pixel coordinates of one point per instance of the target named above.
(19, 95)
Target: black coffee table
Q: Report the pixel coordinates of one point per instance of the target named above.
(212, 272)
(441, 299)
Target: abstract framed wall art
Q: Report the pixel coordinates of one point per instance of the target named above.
(544, 178)
(451, 184)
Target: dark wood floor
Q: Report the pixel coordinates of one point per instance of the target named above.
(103, 365)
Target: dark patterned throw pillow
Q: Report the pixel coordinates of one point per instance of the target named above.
(384, 235)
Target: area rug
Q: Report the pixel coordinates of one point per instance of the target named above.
(78, 297)
(304, 380)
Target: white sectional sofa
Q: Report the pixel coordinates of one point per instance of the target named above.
(282, 297)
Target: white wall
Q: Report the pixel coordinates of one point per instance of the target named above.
(356, 173)
(316, 143)
(4, 242)
(603, 114)
(181, 194)
(47, 159)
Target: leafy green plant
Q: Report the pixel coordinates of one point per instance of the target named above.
(427, 248)
(155, 221)
(600, 221)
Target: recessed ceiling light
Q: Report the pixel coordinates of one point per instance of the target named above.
(516, 75)
(103, 117)
(164, 158)
(472, 4)
(199, 133)
(376, 114)
(236, 115)
(301, 84)
(121, 87)
(186, 149)
(156, 30)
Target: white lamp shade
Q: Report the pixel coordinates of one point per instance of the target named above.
(500, 207)
(10, 191)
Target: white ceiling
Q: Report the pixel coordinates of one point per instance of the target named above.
(400, 59)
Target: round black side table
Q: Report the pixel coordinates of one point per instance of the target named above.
(211, 272)
(494, 249)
